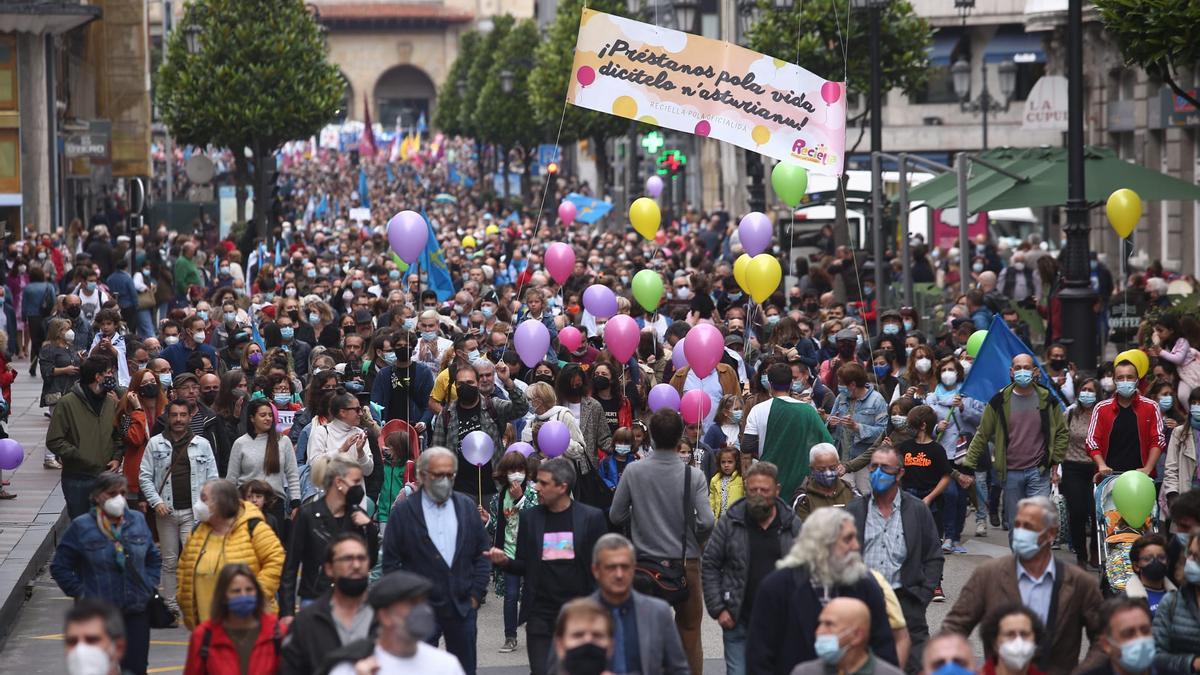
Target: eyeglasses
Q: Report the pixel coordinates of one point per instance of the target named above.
(436, 476)
(360, 558)
(1146, 561)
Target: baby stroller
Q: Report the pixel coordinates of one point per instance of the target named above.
(1115, 537)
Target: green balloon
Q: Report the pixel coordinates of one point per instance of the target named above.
(1133, 495)
(648, 289)
(790, 181)
(975, 342)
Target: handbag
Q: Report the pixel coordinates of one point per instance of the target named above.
(146, 299)
(590, 488)
(157, 611)
(667, 579)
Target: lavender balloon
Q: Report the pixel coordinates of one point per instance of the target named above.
(524, 449)
(754, 231)
(599, 301)
(11, 454)
(407, 233)
(553, 438)
(678, 358)
(478, 448)
(532, 340)
(662, 396)
(654, 186)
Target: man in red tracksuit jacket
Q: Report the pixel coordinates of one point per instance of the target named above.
(1125, 433)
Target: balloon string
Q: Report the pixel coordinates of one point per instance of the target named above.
(479, 481)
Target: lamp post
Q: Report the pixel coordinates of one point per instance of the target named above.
(984, 103)
(686, 13)
(506, 81)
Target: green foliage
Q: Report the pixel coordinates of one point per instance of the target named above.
(1157, 35)
(904, 37)
(261, 78)
(479, 70)
(504, 118)
(549, 79)
(449, 103)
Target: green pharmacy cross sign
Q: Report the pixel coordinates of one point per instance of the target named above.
(671, 162)
(653, 142)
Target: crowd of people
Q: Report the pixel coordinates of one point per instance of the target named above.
(262, 439)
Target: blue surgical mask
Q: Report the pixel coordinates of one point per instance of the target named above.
(356, 284)
(1125, 388)
(486, 311)
(389, 358)
(282, 399)
(1023, 378)
(223, 271)
(242, 605)
(287, 332)
(772, 319)
(230, 317)
(1025, 542)
(1087, 398)
(737, 415)
(164, 380)
(623, 448)
(1165, 402)
(311, 273)
(891, 329)
(314, 318)
(394, 274)
(899, 421)
(882, 371)
(409, 324)
(473, 355)
(908, 352)
(91, 286)
(766, 384)
(429, 335)
(825, 478)
(1137, 655)
(828, 649)
(1191, 571)
(1194, 414)
(797, 387)
(908, 325)
(881, 481)
(202, 313)
(733, 297)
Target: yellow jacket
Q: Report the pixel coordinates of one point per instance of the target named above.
(737, 490)
(262, 552)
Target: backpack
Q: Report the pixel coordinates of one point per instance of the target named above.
(995, 301)
(48, 299)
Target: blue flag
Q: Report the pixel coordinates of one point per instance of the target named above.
(322, 207)
(421, 124)
(363, 197)
(587, 209)
(993, 362)
(456, 177)
(433, 261)
(391, 176)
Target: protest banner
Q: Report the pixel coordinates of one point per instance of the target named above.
(709, 88)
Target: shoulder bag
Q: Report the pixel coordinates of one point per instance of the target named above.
(667, 579)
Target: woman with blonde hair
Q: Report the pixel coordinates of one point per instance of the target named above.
(543, 407)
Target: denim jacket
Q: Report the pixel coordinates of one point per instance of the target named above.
(85, 562)
(156, 463)
(963, 422)
(870, 412)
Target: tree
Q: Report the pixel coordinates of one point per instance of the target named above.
(504, 118)
(449, 102)
(550, 76)
(477, 72)
(260, 79)
(1156, 36)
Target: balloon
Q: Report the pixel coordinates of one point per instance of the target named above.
(661, 396)
(532, 341)
(648, 289)
(1124, 209)
(469, 242)
(585, 75)
(762, 276)
(566, 212)
(975, 342)
(407, 233)
(678, 356)
(11, 454)
(599, 301)
(790, 181)
(654, 186)
(703, 128)
(1138, 358)
(477, 448)
(755, 232)
(560, 261)
(831, 92)
(704, 348)
(553, 438)
(621, 336)
(645, 217)
(1133, 495)
(695, 406)
(760, 134)
(570, 337)
(739, 269)
(523, 448)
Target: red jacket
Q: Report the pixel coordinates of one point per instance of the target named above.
(1149, 423)
(222, 656)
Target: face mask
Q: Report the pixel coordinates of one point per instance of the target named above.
(772, 319)
(908, 352)
(468, 394)
(230, 317)
(282, 399)
(737, 416)
(91, 286)
(923, 365)
(623, 449)
(766, 384)
(734, 297)
(1023, 378)
(1155, 571)
(881, 481)
(601, 382)
(891, 329)
(439, 489)
(115, 506)
(683, 292)
(287, 333)
(797, 387)
(108, 384)
(1194, 413)
(352, 587)
(355, 494)
(828, 649)
(311, 274)
(357, 284)
(289, 292)
(242, 605)
(354, 386)
(201, 512)
(1025, 543)
(1106, 383)
(164, 379)
(1017, 653)
(1058, 364)
(389, 358)
(1087, 398)
(1126, 388)
(171, 340)
(977, 267)
(208, 398)
(899, 421)
(1137, 655)
(429, 335)
(1019, 266)
(202, 313)
(198, 336)
(85, 659)
(69, 336)
(586, 659)
(825, 478)
(1165, 402)
(73, 312)
(255, 358)
(949, 378)
(409, 324)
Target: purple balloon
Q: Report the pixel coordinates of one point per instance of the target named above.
(553, 438)
(755, 233)
(678, 358)
(11, 454)
(407, 233)
(654, 186)
(532, 340)
(524, 449)
(478, 448)
(599, 301)
(662, 396)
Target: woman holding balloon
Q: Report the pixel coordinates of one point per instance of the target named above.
(543, 404)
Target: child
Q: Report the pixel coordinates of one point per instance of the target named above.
(685, 452)
(726, 428)
(397, 476)
(1172, 346)
(726, 486)
(261, 494)
(640, 447)
(613, 466)
(926, 468)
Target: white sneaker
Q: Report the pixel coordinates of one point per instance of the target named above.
(981, 529)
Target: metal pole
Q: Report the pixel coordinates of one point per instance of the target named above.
(902, 226)
(168, 144)
(876, 83)
(963, 170)
(985, 104)
(877, 225)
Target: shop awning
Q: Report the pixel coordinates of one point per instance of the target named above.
(40, 18)
(1012, 43)
(944, 42)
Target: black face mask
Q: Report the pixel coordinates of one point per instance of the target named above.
(548, 379)
(352, 586)
(149, 390)
(1058, 364)
(586, 659)
(468, 395)
(601, 383)
(812, 308)
(208, 397)
(73, 312)
(355, 494)
(1155, 571)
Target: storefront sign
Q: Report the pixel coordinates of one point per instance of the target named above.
(1046, 106)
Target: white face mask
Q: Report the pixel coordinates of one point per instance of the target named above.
(923, 365)
(69, 336)
(949, 378)
(198, 336)
(115, 506)
(1017, 653)
(516, 477)
(201, 512)
(171, 339)
(85, 659)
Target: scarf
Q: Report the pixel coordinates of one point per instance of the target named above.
(113, 532)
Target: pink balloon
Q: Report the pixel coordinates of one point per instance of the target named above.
(704, 348)
(654, 186)
(599, 301)
(407, 233)
(678, 357)
(560, 260)
(831, 92)
(695, 406)
(570, 337)
(621, 336)
(585, 75)
(532, 341)
(703, 128)
(566, 213)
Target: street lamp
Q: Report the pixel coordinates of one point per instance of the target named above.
(686, 13)
(506, 81)
(462, 88)
(750, 13)
(191, 35)
(322, 29)
(961, 75)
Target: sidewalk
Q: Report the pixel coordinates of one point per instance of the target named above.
(30, 524)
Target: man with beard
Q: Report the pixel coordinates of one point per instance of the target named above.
(210, 386)
(823, 564)
(900, 540)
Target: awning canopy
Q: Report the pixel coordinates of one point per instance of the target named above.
(1012, 43)
(942, 48)
(45, 17)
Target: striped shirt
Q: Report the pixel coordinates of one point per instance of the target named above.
(884, 549)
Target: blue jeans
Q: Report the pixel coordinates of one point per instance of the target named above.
(735, 648)
(954, 510)
(145, 327)
(77, 491)
(460, 638)
(512, 598)
(1020, 484)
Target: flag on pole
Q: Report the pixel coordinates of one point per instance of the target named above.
(366, 144)
(433, 262)
(363, 198)
(991, 371)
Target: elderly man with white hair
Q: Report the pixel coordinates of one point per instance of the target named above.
(823, 487)
(823, 564)
(1019, 281)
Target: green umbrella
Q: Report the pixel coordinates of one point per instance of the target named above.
(984, 182)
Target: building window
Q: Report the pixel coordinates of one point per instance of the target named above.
(939, 87)
(1027, 75)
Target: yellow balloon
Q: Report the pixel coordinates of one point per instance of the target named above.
(645, 216)
(1138, 358)
(625, 106)
(760, 134)
(739, 269)
(1124, 209)
(762, 276)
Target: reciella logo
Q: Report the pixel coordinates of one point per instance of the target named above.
(816, 155)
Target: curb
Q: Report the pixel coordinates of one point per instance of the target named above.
(31, 553)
